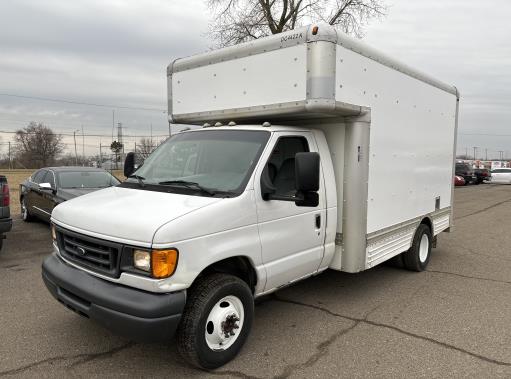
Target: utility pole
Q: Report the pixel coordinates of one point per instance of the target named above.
(76, 154)
(10, 164)
(466, 152)
(113, 124)
(83, 147)
(120, 140)
(475, 149)
(485, 154)
(170, 130)
(501, 154)
(100, 155)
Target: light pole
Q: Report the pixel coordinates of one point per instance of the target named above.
(475, 149)
(76, 154)
(83, 147)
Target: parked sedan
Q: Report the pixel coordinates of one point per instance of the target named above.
(501, 176)
(50, 186)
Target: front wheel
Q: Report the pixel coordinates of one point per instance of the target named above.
(216, 321)
(25, 214)
(417, 257)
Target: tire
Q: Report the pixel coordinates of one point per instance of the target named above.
(212, 302)
(25, 214)
(419, 254)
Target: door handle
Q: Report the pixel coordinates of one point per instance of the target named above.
(318, 221)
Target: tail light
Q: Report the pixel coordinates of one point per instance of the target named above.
(6, 196)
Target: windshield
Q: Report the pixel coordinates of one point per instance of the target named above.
(86, 179)
(217, 160)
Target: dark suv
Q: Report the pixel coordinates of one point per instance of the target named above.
(482, 174)
(467, 172)
(5, 212)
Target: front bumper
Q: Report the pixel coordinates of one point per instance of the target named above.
(136, 314)
(5, 225)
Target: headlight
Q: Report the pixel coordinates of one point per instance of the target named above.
(160, 263)
(53, 233)
(142, 260)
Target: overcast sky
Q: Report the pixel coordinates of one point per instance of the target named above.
(115, 52)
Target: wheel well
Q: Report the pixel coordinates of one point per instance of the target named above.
(427, 221)
(238, 266)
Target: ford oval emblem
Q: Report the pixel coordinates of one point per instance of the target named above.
(81, 251)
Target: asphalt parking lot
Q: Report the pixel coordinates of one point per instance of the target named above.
(453, 320)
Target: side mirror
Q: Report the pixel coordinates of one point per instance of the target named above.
(129, 164)
(45, 187)
(307, 179)
(306, 182)
(307, 172)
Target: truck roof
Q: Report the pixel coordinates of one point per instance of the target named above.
(258, 127)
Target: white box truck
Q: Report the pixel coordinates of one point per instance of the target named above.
(316, 152)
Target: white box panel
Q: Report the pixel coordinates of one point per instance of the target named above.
(273, 77)
(411, 138)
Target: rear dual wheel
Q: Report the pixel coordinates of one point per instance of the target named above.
(216, 321)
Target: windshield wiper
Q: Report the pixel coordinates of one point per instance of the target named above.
(192, 185)
(139, 178)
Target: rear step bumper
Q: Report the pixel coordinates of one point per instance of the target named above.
(139, 315)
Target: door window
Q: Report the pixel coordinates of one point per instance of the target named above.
(38, 176)
(281, 164)
(49, 178)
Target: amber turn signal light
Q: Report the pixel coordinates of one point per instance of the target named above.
(164, 263)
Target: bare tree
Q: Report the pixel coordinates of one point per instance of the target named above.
(236, 21)
(144, 148)
(37, 145)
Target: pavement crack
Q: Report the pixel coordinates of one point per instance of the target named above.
(469, 276)
(84, 357)
(237, 374)
(105, 354)
(397, 329)
(321, 348)
(483, 210)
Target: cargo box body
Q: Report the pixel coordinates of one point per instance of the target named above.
(391, 130)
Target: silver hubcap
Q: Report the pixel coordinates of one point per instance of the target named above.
(224, 323)
(424, 248)
(23, 210)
